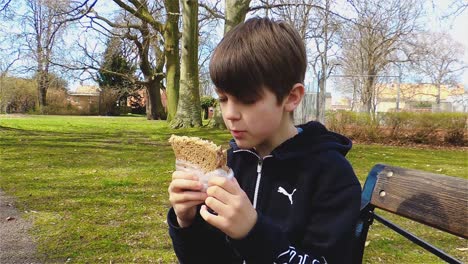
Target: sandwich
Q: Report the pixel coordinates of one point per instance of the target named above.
(197, 153)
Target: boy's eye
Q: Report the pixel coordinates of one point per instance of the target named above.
(223, 99)
(249, 101)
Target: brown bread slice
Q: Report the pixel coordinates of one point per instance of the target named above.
(203, 153)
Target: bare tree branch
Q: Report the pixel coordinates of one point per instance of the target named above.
(273, 6)
(457, 7)
(213, 11)
(4, 5)
(141, 12)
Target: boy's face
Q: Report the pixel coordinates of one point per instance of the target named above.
(253, 125)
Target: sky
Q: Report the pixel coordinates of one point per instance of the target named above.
(455, 26)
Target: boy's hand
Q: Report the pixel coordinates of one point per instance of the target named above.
(235, 213)
(185, 193)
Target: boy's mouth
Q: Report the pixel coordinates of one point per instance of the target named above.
(237, 133)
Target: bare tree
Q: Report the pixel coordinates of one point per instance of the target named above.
(325, 33)
(44, 23)
(376, 37)
(439, 60)
(157, 46)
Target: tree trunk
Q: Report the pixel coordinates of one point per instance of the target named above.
(354, 99)
(189, 108)
(322, 99)
(171, 50)
(438, 96)
(368, 94)
(42, 85)
(236, 10)
(154, 107)
(41, 76)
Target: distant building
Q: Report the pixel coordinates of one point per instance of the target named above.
(86, 98)
(342, 104)
(417, 97)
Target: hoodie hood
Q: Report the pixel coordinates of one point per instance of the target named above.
(313, 139)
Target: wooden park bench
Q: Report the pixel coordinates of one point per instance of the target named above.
(435, 200)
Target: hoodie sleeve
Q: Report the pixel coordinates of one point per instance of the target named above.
(332, 214)
(198, 243)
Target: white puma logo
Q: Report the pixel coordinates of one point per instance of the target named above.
(283, 191)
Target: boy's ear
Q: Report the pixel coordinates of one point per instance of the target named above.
(294, 97)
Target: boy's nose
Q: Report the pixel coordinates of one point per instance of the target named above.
(230, 112)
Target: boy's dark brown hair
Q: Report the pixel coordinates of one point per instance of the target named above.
(259, 53)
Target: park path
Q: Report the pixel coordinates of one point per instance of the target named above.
(16, 245)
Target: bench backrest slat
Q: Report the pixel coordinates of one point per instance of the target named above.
(436, 200)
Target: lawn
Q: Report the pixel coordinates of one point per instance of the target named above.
(96, 188)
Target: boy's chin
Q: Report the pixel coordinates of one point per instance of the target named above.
(243, 144)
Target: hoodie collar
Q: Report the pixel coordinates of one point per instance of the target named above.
(314, 138)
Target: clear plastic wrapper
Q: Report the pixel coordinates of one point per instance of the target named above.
(182, 165)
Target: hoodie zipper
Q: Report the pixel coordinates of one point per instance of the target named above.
(259, 173)
(257, 184)
(259, 177)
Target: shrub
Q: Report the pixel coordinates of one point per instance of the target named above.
(340, 121)
(108, 102)
(361, 126)
(456, 128)
(17, 95)
(57, 104)
(426, 128)
(396, 122)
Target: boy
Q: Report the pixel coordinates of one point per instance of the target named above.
(294, 197)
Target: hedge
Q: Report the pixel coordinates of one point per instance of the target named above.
(401, 127)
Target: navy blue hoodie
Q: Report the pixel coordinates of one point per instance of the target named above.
(307, 198)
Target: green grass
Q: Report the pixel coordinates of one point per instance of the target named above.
(96, 188)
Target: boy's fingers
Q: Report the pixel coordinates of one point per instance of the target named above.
(188, 205)
(219, 193)
(187, 197)
(184, 175)
(184, 184)
(210, 218)
(230, 185)
(216, 205)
